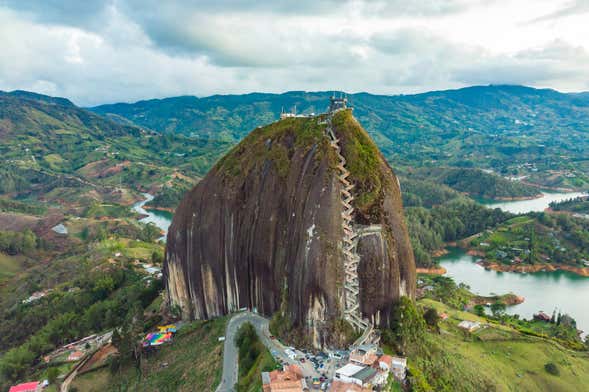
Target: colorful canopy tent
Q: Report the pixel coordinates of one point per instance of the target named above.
(156, 338)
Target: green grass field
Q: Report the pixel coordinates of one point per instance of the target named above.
(132, 249)
(496, 358)
(9, 265)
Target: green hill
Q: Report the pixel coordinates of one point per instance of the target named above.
(494, 358)
(48, 144)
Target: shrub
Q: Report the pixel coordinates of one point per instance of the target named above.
(552, 369)
(431, 317)
(479, 310)
(52, 375)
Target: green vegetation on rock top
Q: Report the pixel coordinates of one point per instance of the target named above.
(363, 160)
(276, 143)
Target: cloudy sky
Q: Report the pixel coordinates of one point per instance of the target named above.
(124, 50)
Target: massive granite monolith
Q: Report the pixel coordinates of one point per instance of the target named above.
(264, 229)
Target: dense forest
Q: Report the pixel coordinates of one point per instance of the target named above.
(431, 228)
(579, 205)
(103, 300)
(476, 182)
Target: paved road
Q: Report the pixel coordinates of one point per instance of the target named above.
(230, 353)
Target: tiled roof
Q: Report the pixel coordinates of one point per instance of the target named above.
(26, 387)
(365, 374)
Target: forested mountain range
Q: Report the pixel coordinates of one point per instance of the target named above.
(495, 127)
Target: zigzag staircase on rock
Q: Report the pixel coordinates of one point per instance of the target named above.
(351, 259)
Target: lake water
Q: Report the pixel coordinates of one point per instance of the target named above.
(162, 219)
(533, 205)
(546, 291)
(560, 290)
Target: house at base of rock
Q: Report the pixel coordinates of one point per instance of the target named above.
(371, 357)
(289, 379)
(355, 374)
(366, 354)
(396, 365)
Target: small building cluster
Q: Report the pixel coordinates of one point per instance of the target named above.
(37, 295)
(369, 367)
(284, 114)
(75, 351)
(289, 379)
(365, 368)
(152, 270)
(335, 104)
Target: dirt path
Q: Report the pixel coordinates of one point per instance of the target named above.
(65, 385)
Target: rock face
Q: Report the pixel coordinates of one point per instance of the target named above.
(264, 229)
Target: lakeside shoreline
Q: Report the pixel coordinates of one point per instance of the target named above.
(531, 268)
(431, 271)
(527, 268)
(518, 198)
(165, 209)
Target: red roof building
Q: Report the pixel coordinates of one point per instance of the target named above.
(541, 316)
(34, 386)
(75, 356)
(290, 379)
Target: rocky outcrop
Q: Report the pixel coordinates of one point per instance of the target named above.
(264, 229)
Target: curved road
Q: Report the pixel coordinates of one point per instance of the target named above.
(230, 352)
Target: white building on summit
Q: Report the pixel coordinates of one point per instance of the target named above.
(336, 104)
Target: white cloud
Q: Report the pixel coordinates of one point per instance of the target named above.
(123, 50)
